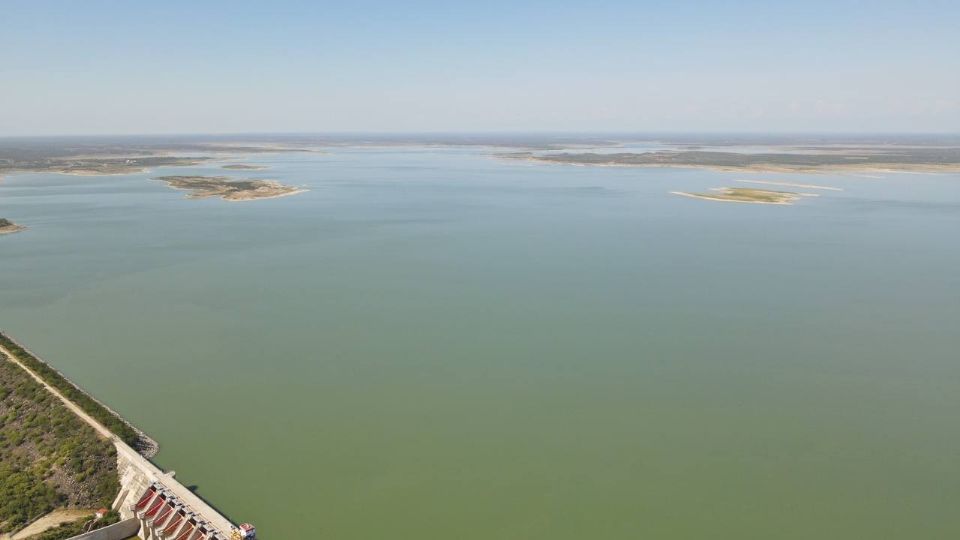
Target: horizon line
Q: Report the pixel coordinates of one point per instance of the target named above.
(484, 132)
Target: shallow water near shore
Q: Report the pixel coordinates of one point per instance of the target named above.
(434, 343)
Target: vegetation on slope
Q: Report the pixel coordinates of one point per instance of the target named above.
(48, 457)
(91, 406)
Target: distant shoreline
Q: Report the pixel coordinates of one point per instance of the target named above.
(889, 168)
(789, 184)
(244, 167)
(854, 160)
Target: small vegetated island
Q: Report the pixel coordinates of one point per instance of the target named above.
(9, 227)
(201, 187)
(744, 195)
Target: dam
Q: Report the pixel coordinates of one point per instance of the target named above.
(151, 503)
(164, 508)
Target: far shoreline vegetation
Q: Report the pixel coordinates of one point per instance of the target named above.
(81, 156)
(96, 166)
(814, 159)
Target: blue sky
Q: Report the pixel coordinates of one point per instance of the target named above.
(72, 67)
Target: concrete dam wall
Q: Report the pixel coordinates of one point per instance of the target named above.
(165, 508)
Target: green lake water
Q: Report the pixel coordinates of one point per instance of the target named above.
(433, 343)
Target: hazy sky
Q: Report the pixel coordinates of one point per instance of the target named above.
(75, 67)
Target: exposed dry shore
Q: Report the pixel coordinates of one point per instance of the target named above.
(744, 195)
(266, 194)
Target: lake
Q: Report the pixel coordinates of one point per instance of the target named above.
(436, 343)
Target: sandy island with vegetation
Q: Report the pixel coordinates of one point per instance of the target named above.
(201, 187)
(9, 227)
(745, 195)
